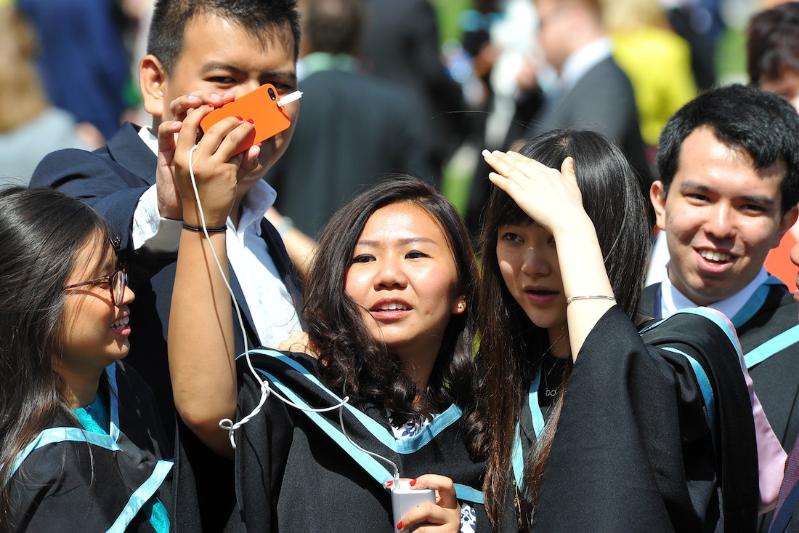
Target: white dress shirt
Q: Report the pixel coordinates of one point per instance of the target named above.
(266, 296)
(672, 300)
(583, 60)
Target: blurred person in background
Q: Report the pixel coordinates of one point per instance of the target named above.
(772, 61)
(657, 61)
(401, 45)
(30, 127)
(699, 22)
(591, 91)
(772, 51)
(500, 38)
(83, 63)
(353, 128)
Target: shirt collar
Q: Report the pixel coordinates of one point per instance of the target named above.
(583, 60)
(672, 300)
(149, 139)
(255, 204)
(317, 61)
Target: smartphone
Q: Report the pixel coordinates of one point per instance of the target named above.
(259, 105)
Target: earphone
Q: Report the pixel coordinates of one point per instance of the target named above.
(265, 390)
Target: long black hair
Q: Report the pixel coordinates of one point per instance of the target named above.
(511, 346)
(40, 233)
(353, 359)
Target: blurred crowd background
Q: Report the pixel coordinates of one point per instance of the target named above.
(390, 85)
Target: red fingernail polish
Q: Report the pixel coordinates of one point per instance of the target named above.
(240, 118)
(412, 483)
(251, 121)
(389, 482)
(399, 525)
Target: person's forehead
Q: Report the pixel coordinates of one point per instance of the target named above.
(211, 35)
(703, 144)
(704, 155)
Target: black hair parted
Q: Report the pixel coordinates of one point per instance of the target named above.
(511, 346)
(262, 18)
(772, 42)
(762, 124)
(353, 360)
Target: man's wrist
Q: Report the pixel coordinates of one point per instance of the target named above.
(170, 212)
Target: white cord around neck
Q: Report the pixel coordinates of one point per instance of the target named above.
(226, 423)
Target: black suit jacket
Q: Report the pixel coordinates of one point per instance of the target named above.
(353, 130)
(602, 100)
(776, 379)
(112, 179)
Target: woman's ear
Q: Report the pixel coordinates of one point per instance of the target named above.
(460, 306)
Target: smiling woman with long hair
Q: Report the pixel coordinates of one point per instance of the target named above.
(592, 423)
(78, 430)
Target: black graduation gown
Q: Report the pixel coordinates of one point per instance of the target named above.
(768, 328)
(635, 447)
(296, 471)
(71, 479)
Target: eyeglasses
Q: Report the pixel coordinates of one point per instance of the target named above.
(117, 282)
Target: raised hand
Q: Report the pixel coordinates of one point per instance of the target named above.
(216, 170)
(548, 196)
(169, 204)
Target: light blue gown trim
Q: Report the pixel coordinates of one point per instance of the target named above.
(63, 434)
(704, 384)
(111, 373)
(371, 465)
(713, 317)
(404, 446)
(142, 495)
(772, 346)
(754, 303)
(517, 454)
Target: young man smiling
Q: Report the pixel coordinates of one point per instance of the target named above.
(729, 183)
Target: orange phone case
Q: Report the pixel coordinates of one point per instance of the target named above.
(259, 105)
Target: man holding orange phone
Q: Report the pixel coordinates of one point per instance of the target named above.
(202, 54)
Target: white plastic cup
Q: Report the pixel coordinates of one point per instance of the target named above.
(404, 498)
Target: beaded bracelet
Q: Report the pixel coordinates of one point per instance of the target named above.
(590, 297)
(199, 229)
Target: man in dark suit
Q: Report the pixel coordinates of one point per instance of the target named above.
(592, 91)
(354, 128)
(401, 46)
(200, 52)
(729, 183)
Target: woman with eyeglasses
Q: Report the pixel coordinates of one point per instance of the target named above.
(80, 444)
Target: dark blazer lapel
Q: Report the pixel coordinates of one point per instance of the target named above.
(246, 315)
(127, 149)
(650, 301)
